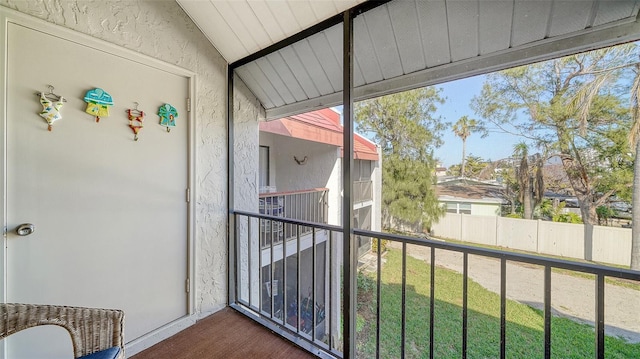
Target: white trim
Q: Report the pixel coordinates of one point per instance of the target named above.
(367, 203)
(150, 339)
(469, 200)
(625, 30)
(3, 166)
(10, 16)
(191, 225)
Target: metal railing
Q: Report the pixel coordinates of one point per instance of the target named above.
(600, 273)
(307, 205)
(291, 287)
(362, 191)
(280, 315)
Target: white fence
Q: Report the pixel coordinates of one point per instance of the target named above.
(608, 245)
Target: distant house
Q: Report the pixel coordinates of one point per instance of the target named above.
(465, 196)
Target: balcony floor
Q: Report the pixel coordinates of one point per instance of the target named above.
(225, 334)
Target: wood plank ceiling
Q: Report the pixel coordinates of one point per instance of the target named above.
(403, 39)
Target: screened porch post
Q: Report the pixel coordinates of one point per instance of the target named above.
(350, 258)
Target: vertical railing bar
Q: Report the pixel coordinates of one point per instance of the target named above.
(298, 301)
(272, 279)
(260, 278)
(309, 208)
(404, 299)
(313, 283)
(600, 316)
(432, 303)
(325, 207)
(547, 312)
(465, 311)
(319, 204)
(329, 309)
(284, 281)
(503, 306)
(378, 292)
(286, 226)
(236, 255)
(249, 259)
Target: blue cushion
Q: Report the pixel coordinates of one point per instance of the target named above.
(111, 353)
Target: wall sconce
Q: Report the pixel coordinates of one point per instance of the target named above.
(300, 162)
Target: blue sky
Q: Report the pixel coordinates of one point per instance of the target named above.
(458, 97)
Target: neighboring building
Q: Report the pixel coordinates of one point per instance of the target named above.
(466, 196)
(300, 178)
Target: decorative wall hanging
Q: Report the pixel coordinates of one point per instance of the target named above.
(98, 102)
(168, 115)
(51, 105)
(135, 120)
(300, 161)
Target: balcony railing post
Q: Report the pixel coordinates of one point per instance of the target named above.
(600, 316)
(547, 312)
(465, 311)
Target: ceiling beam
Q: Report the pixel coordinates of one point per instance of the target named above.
(317, 28)
(619, 32)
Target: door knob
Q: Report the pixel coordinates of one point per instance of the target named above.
(25, 229)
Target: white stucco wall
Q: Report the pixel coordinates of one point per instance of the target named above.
(287, 175)
(322, 168)
(245, 165)
(335, 198)
(161, 29)
(485, 209)
(376, 178)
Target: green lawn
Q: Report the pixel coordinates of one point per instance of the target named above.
(525, 327)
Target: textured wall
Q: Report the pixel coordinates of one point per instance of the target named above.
(289, 176)
(161, 29)
(245, 165)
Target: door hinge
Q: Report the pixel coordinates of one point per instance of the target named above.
(188, 104)
(188, 195)
(188, 285)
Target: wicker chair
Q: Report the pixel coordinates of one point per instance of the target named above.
(92, 330)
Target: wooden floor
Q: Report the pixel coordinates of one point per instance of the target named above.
(226, 334)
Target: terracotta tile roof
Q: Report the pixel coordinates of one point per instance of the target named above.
(320, 126)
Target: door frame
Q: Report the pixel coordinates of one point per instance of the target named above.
(9, 16)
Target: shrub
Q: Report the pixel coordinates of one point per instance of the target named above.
(383, 245)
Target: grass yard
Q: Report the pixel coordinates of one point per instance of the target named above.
(525, 325)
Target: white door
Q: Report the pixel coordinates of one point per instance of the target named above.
(110, 213)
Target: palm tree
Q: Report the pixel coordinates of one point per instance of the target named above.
(463, 129)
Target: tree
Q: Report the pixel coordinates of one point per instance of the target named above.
(530, 179)
(474, 166)
(584, 101)
(405, 127)
(463, 128)
(535, 102)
